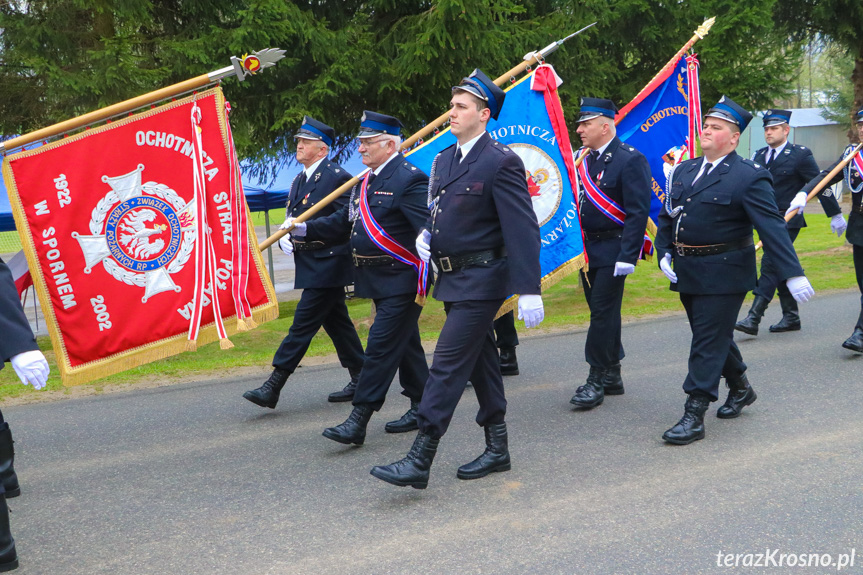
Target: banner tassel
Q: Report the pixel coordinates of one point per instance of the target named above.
(191, 345)
(251, 323)
(225, 343)
(241, 325)
(420, 300)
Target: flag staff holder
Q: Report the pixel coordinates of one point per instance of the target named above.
(531, 58)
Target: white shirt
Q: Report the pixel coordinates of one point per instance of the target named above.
(377, 171)
(777, 150)
(466, 148)
(713, 164)
(311, 169)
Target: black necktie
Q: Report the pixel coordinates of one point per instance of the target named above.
(371, 179)
(771, 156)
(593, 158)
(455, 161)
(707, 167)
(302, 180)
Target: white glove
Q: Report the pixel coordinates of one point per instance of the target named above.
(798, 203)
(800, 288)
(665, 266)
(530, 310)
(423, 246)
(32, 368)
(623, 268)
(286, 244)
(838, 225)
(299, 230)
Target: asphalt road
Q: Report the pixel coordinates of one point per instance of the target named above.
(192, 479)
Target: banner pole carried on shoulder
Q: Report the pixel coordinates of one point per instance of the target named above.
(531, 58)
(241, 67)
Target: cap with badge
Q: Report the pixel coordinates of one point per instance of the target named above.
(314, 130)
(776, 117)
(728, 110)
(595, 107)
(373, 124)
(481, 86)
(860, 116)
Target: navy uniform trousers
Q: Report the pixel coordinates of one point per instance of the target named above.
(321, 307)
(604, 294)
(505, 333)
(394, 345)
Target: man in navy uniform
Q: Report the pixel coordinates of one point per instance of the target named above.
(17, 346)
(323, 269)
(386, 211)
(484, 239)
(853, 174)
(613, 243)
(705, 248)
(791, 166)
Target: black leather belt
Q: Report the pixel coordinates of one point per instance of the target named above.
(450, 263)
(858, 208)
(372, 260)
(309, 246)
(606, 235)
(684, 250)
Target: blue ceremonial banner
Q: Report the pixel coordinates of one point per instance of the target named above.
(658, 127)
(531, 124)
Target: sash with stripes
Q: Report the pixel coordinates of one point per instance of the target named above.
(607, 206)
(857, 162)
(389, 246)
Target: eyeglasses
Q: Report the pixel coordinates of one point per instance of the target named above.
(369, 141)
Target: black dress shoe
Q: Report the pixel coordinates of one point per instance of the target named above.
(268, 394)
(691, 426)
(7, 463)
(494, 458)
(740, 394)
(346, 393)
(855, 342)
(8, 555)
(413, 470)
(353, 430)
(612, 383)
(508, 361)
(591, 393)
(407, 422)
(750, 323)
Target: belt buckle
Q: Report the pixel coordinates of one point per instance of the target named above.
(445, 265)
(356, 263)
(679, 249)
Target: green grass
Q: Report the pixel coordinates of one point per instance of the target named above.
(826, 259)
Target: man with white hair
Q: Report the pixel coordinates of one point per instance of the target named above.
(386, 211)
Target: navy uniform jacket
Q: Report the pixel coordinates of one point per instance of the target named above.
(331, 266)
(398, 201)
(15, 333)
(791, 170)
(722, 207)
(483, 204)
(623, 174)
(854, 233)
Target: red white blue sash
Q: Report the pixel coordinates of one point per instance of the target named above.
(857, 161)
(611, 209)
(388, 245)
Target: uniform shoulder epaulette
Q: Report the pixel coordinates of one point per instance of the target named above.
(751, 164)
(333, 167)
(501, 148)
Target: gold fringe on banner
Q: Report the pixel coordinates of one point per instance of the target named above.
(573, 265)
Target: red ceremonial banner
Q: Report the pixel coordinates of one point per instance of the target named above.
(128, 227)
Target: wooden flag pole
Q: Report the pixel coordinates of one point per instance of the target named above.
(241, 67)
(822, 184)
(529, 59)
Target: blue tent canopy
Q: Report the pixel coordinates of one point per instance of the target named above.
(269, 196)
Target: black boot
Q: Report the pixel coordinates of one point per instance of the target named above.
(407, 422)
(591, 393)
(790, 318)
(7, 459)
(8, 555)
(691, 426)
(749, 324)
(612, 383)
(855, 342)
(414, 469)
(740, 394)
(347, 393)
(508, 361)
(268, 394)
(353, 430)
(494, 458)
